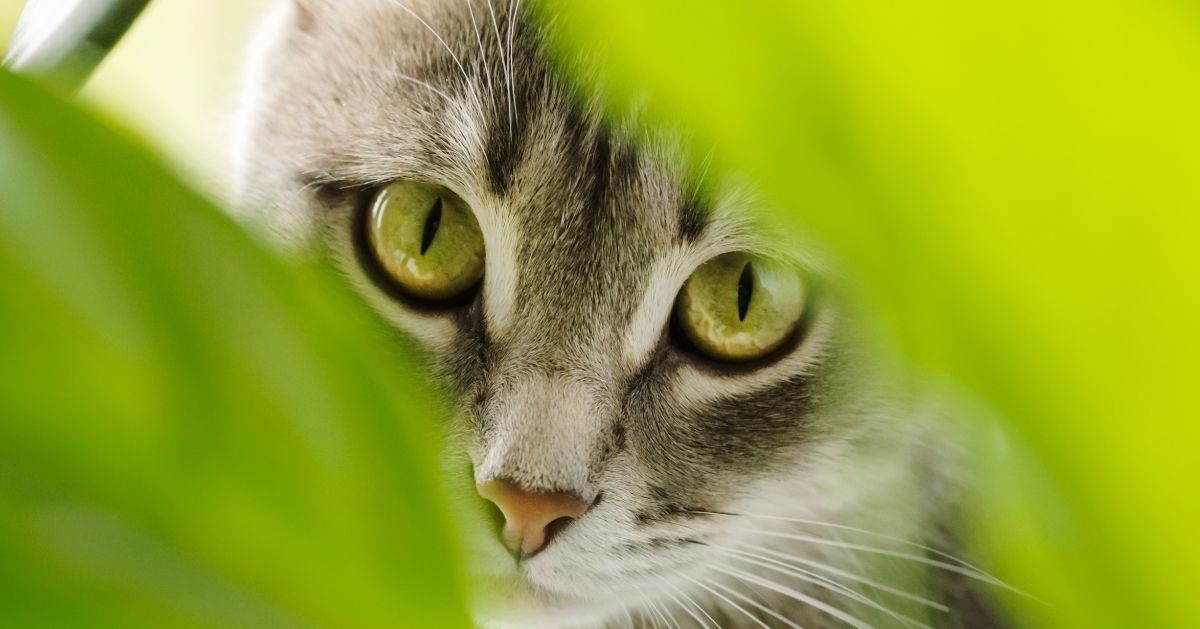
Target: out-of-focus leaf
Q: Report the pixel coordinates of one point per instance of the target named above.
(1015, 189)
(191, 432)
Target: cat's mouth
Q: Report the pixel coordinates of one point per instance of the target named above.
(531, 596)
(593, 565)
(620, 548)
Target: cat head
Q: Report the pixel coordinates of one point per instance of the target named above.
(631, 360)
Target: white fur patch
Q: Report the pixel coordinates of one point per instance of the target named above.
(500, 241)
(669, 272)
(544, 427)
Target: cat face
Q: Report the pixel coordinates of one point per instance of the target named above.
(576, 369)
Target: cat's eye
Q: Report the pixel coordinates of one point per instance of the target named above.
(426, 239)
(737, 307)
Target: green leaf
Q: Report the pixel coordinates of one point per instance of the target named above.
(1013, 189)
(192, 432)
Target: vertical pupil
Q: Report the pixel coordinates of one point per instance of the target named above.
(432, 222)
(745, 290)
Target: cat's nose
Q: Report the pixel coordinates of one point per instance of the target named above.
(531, 518)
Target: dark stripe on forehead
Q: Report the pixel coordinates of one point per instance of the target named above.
(507, 136)
(600, 169)
(517, 90)
(611, 181)
(503, 153)
(574, 133)
(693, 218)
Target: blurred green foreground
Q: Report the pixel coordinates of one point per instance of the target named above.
(192, 433)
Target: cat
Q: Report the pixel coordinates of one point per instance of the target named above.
(668, 414)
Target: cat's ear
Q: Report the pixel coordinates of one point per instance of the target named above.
(313, 6)
(310, 13)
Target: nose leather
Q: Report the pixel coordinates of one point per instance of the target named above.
(531, 518)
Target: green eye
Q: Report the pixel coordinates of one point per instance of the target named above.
(426, 239)
(738, 308)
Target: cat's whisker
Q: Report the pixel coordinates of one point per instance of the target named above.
(503, 59)
(796, 595)
(675, 600)
(693, 603)
(852, 560)
(833, 586)
(704, 166)
(664, 614)
(487, 74)
(687, 609)
(949, 567)
(727, 601)
(817, 579)
(496, 30)
(674, 619)
(650, 610)
(703, 611)
(514, 11)
(457, 62)
(512, 92)
(851, 576)
(643, 617)
(752, 602)
(854, 529)
(424, 84)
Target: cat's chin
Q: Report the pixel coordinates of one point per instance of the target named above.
(522, 601)
(528, 606)
(537, 617)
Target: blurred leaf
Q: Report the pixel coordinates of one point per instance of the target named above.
(192, 433)
(1013, 188)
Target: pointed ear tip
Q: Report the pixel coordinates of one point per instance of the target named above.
(313, 5)
(306, 13)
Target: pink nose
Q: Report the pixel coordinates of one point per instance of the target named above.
(531, 518)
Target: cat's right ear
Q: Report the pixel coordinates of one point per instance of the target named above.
(310, 13)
